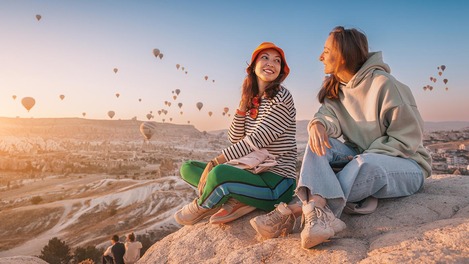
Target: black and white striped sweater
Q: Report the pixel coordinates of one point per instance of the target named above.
(273, 129)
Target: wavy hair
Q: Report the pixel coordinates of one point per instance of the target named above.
(351, 46)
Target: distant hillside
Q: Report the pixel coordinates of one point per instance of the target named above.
(302, 133)
(447, 125)
(89, 129)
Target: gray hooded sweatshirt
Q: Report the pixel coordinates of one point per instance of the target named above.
(375, 113)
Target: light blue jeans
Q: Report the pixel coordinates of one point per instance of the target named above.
(367, 174)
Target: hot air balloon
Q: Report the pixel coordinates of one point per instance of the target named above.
(83, 114)
(165, 112)
(206, 77)
(445, 81)
(174, 97)
(431, 79)
(159, 112)
(177, 66)
(170, 119)
(188, 121)
(226, 109)
(169, 104)
(139, 99)
(38, 17)
(186, 72)
(434, 80)
(62, 97)
(178, 91)
(111, 114)
(446, 88)
(165, 102)
(425, 88)
(161, 56)
(440, 73)
(443, 67)
(213, 80)
(181, 113)
(14, 97)
(199, 105)
(115, 70)
(223, 113)
(148, 129)
(156, 52)
(163, 120)
(117, 95)
(182, 68)
(180, 105)
(28, 102)
(149, 116)
(210, 113)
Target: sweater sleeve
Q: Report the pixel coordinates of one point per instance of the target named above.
(275, 120)
(236, 131)
(328, 119)
(403, 134)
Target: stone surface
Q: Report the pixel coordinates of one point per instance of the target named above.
(431, 226)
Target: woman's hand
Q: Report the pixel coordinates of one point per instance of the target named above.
(318, 139)
(203, 178)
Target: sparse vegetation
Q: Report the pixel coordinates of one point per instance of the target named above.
(36, 199)
(56, 252)
(87, 255)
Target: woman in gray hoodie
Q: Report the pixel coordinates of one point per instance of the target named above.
(382, 153)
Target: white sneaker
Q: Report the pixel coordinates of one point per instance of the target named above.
(320, 225)
(280, 221)
(193, 213)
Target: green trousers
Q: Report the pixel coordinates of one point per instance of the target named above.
(263, 190)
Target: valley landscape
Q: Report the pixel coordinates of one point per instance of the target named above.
(84, 180)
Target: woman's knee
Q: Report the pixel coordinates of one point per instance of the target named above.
(219, 174)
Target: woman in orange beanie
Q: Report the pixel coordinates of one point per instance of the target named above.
(266, 118)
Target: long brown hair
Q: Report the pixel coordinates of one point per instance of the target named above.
(250, 86)
(351, 45)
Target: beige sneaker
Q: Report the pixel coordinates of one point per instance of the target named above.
(193, 213)
(231, 210)
(277, 222)
(320, 225)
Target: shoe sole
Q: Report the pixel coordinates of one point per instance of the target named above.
(195, 220)
(316, 240)
(231, 217)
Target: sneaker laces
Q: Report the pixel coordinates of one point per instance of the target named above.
(276, 215)
(309, 219)
(193, 207)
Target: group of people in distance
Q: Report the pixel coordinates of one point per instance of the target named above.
(368, 125)
(120, 253)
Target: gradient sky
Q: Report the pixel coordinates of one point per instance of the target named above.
(76, 45)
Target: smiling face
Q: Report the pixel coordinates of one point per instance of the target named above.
(268, 65)
(330, 57)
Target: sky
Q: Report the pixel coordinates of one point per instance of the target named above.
(75, 46)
